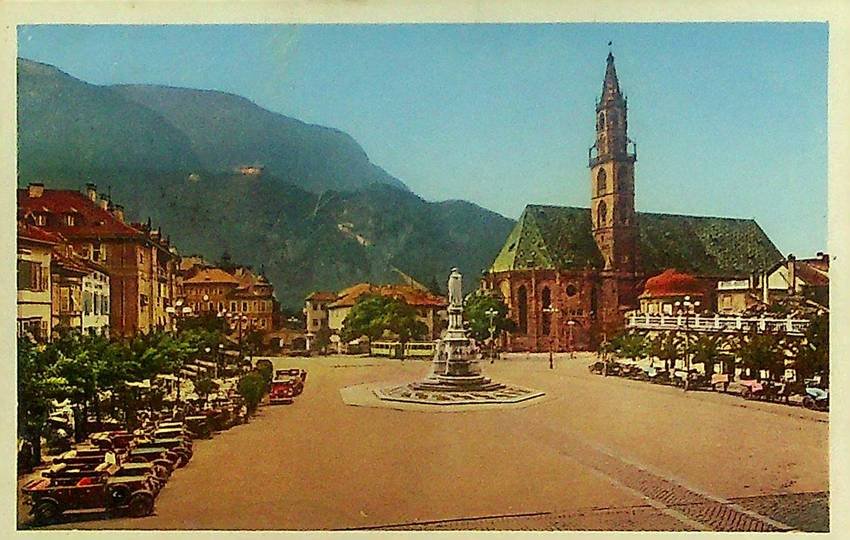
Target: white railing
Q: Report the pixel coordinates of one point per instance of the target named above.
(717, 323)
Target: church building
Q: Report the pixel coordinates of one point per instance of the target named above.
(569, 275)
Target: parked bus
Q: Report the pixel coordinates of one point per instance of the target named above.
(414, 349)
(391, 349)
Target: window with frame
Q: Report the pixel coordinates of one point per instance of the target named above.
(40, 219)
(601, 182)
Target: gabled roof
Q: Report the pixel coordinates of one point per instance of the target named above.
(94, 222)
(211, 275)
(556, 237)
(31, 233)
(322, 296)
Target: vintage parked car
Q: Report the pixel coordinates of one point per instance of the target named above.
(816, 398)
(98, 491)
(157, 473)
(178, 445)
(198, 426)
(287, 384)
(112, 440)
(87, 454)
(597, 367)
(156, 455)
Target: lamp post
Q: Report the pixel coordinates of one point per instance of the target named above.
(551, 310)
(685, 309)
(491, 313)
(570, 324)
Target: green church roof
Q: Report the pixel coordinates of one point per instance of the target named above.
(558, 237)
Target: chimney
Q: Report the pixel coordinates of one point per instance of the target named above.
(792, 274)
(91, 192)
(118, 212)
(35, 190)
(824, 257)
(103, 203)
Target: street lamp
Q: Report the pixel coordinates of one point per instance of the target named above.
(491, 313)
(685, 309)
(551, 310)
(570, 324)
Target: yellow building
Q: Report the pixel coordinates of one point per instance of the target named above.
(35, 304)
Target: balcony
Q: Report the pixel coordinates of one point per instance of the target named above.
(594, 157)
(717, 323)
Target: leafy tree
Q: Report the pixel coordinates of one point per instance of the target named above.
(374, 316)
(631, 345)
(812, 354)
(474, 312)
(666, 346)
(762, 352)
(251, 387)
(322, 338)
(706, 350)
(38, 385)
(209, 322)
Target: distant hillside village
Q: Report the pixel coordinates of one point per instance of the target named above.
(82, 266)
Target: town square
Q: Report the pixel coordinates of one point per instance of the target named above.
(423, 278)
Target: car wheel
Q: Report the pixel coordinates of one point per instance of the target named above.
(118, 495)
(141, 504)
(160, 472)
(746, 393)
(809, 403)
(46, 512)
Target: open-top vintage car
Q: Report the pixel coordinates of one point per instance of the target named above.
(157, 473)
(112, 440)
(87, 455)
(156, 455)
(97, 491)
(287, 384)
(181, 447)
(198, 426)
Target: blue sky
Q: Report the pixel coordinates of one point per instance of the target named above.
(729, 119)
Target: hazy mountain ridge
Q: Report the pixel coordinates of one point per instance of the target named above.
(306, 231)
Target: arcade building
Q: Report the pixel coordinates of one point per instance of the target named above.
(569, 275)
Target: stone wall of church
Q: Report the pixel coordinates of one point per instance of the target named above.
(576, 296)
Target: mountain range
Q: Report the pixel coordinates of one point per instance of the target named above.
(220, 174)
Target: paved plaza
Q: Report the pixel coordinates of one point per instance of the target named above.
(597, 453)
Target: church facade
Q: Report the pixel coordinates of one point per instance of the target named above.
(569, 275)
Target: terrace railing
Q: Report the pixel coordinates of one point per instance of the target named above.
(718, 323)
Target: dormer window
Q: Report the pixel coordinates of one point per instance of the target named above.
(70, 220)
(41, 219)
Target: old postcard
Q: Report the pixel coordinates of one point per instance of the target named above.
(458, 273)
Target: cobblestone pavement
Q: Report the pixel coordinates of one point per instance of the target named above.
(807, 512)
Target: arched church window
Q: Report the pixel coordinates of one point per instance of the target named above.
(601, 214)
(522, 309)
(546, 300)
(571, 290)
(600, 122)
(601, 182)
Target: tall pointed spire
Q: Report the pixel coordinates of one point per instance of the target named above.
(611, 86)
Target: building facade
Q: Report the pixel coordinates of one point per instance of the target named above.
(240, 295)
(140, 263)
(34, 288)
(569, 275)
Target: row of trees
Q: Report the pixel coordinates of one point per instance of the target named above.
(82, 368)
(754, 351)
(380, 317)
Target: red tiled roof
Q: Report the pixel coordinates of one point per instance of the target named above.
(211, 275)
(69, 263)
(811, 274)
(412, 295)
(322, 296)
(94, 221)
(671, 282)
(37, 234)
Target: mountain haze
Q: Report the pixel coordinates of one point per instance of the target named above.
(321, 216)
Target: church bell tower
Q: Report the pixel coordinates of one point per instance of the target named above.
(612, 182)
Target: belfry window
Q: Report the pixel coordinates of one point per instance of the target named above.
(601, 214)
(601, 182)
